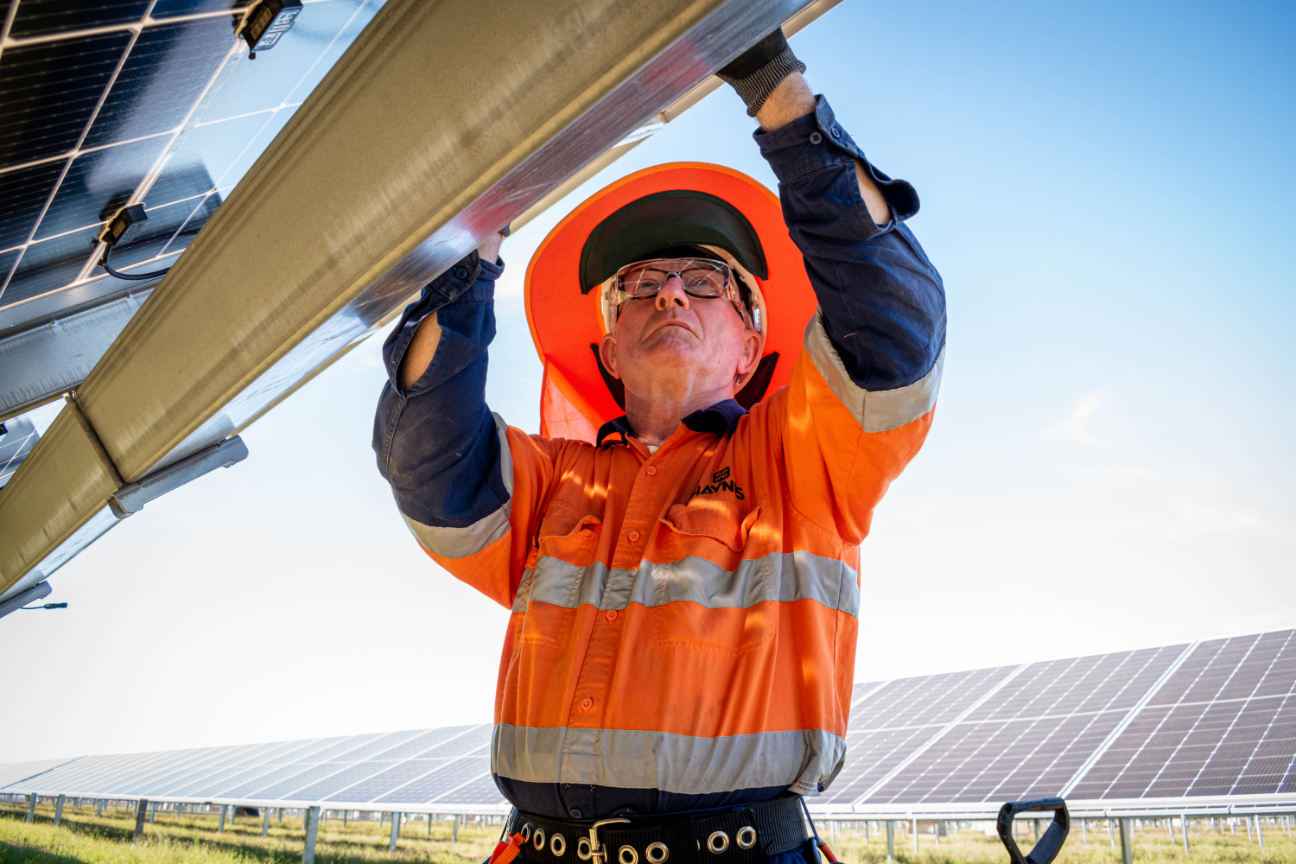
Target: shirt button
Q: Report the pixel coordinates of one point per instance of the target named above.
(575, 813)
(587, 703)
(652, 471)
(611, 615)
(836, 132)
(634, 536)
(461, 272)
(816, 138)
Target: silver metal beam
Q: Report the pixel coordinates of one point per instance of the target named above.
(46, 358)
(404, 158)
(22, 598)
(312, 831)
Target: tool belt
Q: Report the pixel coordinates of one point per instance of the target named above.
(748, 834)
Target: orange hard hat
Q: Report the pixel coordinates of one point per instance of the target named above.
(672, 205)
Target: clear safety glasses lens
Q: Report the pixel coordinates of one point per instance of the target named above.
(702, 278)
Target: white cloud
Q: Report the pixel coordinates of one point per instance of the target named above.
(1075, 426)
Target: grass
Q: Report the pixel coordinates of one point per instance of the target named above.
(192, 839)
(1153, 846)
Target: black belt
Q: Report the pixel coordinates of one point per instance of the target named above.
(748, 834)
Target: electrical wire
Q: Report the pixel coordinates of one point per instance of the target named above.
(134, 277)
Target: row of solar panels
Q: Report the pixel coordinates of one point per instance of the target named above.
(1185, 721)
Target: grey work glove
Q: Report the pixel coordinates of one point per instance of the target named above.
(760, 69)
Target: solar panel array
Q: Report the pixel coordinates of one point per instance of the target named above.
(1179, 722)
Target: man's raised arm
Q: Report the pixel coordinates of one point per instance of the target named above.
(883, 302)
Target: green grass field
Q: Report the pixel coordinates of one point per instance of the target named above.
(192, 839)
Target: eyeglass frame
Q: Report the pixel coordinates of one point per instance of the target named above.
(730, 291)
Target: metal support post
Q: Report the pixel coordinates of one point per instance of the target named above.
(1035, 825)
(915, 835)
(220, 829)
(265, 821)
(152, 812)
(395, 831)
(1127, 841)
(345, 816)
(141, 810)
(1248, 824)
(1084, 830)
(429, 824)
(1111, 834)
(1183, 823)
(454, 830)
(31, 807)
(1170, 825)
(58, 810)
(1259, 834)
(312, 830)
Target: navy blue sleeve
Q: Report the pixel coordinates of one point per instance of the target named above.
(437, 442)
(883, 302)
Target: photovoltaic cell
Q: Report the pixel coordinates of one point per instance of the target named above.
(121, 106)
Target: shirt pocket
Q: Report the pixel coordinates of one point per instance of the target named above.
(564, 571)
(716, 520)
(709, 597)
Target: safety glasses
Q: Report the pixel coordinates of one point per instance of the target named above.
(701, 277)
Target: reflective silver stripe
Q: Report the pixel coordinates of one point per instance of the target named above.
(465, 542)
(781, 576)
(877, 410)
(633, 759)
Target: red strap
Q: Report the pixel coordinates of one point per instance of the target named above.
(827, 853)
(507, 850)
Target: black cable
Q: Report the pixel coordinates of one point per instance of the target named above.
(134, 277)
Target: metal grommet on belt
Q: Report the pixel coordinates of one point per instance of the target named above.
(718, 842)
(526, 831)
(538, 841)
(746, 837)
(558, 845)
(628, 855)
(656, 853)
(583, 849)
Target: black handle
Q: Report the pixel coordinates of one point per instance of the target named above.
(1048, 846)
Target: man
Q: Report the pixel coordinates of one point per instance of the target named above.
(684, 588)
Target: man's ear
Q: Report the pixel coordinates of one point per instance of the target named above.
(607, 353)
(752, 345)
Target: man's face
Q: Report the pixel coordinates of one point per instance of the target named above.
(677, 344)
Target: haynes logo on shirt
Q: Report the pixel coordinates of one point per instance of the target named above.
(720, 482)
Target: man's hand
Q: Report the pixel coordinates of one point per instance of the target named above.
(789, 100)
(422, 347)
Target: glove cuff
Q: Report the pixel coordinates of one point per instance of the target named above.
(757, 87)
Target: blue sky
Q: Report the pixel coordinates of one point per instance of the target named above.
(1107, 190)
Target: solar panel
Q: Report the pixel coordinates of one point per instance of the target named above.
(108, 103)
(1222, 722)
(1166, 724)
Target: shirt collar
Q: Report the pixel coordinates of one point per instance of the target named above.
(720, 418)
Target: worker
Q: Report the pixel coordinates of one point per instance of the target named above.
(684, 584)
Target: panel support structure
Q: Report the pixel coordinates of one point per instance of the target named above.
(141, 810)
(395, 831)
(890, 831)
(220, 829)
(312, 831)
(31, 807)
(265, 821)
(405, 200)
(58, 809)
(1127, 842)
(1183, 823)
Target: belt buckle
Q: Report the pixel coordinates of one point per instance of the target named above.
(597, 854)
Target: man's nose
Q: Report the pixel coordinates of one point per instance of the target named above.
(672, 294)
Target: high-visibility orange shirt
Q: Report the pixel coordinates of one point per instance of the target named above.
(683, 621)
